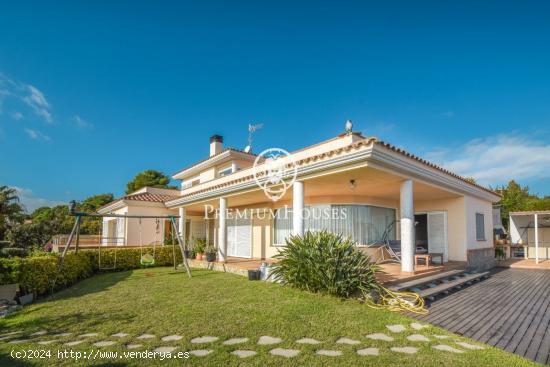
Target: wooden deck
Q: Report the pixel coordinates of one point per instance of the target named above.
(391, 273)
(510, 310)
(524, 264)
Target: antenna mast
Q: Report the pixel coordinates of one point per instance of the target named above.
(251, 130)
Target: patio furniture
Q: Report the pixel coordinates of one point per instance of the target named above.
(428, 257)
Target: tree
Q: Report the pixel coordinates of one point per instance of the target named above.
(91, 225)
(11, 211)
(518, 198)
(149, 178)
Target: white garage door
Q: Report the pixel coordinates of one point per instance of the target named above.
(239, 237)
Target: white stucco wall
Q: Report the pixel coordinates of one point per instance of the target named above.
(473, 206)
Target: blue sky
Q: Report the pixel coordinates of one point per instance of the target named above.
(93, 92)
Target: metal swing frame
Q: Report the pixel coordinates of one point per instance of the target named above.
(76, 229)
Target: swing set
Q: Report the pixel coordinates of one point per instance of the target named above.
(147, 258)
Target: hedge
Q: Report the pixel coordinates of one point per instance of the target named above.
(36, 274)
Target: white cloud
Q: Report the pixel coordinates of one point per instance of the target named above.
(31, 202)
(498, 159)
(37, 135)
(36, 100)
(80, 123)
(448, 114)
(17, 115)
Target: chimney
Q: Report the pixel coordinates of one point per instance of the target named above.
(215, 144)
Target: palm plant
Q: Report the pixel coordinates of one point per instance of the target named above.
(324, 262)
(11, 211)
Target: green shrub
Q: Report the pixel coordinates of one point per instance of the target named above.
(39, 274)
(13, 252)
(323, 262)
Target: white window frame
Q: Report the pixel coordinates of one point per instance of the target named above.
(483, 236)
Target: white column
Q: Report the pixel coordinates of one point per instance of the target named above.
(407, 226)
(536, 238)
(181, 224)
(222, 230)
(298, 208)
(233, 167)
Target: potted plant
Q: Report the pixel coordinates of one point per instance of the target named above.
(200, 246)
(210, 253)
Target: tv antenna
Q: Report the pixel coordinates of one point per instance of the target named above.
(251, 130)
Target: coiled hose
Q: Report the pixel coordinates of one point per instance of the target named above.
(397, 301)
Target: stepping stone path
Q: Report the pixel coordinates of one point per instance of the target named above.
(200, 352)
(417, 338)
(447, 348)
(76, 342)
(441, 336)
(46, 342)
(19, 341)
(165, 349)
(308, 341)
(11, 333)
(348, 341)
(406, 350)
(268, 340)
(204, 339)
(380, 336)
(120, 335)
(368, 352)
(417, 326)
(469, 346)
(234, 341)
(104, 343)
(88, 335)
(329, 353)
(172, 338)
(243, 353)
(133, 346)
(38, 333)
(396, 328)
(288, 353)
(146, 336)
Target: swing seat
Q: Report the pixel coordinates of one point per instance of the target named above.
(147, 260)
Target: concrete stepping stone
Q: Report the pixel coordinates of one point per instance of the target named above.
(406, 350)
(268, 340)
(171, 338)
(417, 326)
(7, 337)
(234, 341)
(39, 333)
(46, 342)
(200, 352)
(469, 346)
(368, 352)
(104, 343)
(308, 341)
(133, 346)
(19, 341)
(417, 338)
(146, 336)
(447, 348)
(76, 342)
(120, 335)
(396, 328)
(165, 349)
(348, 341)
(243, 353)
(329, 353)
(281, 352)
(62, 334)
(441, 336)
(10, 333)
(380, 336)
(87, 335)
(204, 339)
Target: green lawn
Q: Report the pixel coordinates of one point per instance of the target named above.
(161, 301)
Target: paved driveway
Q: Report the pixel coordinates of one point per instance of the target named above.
(510, 310)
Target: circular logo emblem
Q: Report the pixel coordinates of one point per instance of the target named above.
(274, 172)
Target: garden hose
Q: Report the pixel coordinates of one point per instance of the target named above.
(398, 301)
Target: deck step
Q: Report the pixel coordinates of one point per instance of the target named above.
(457, 283)
(416, 283)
